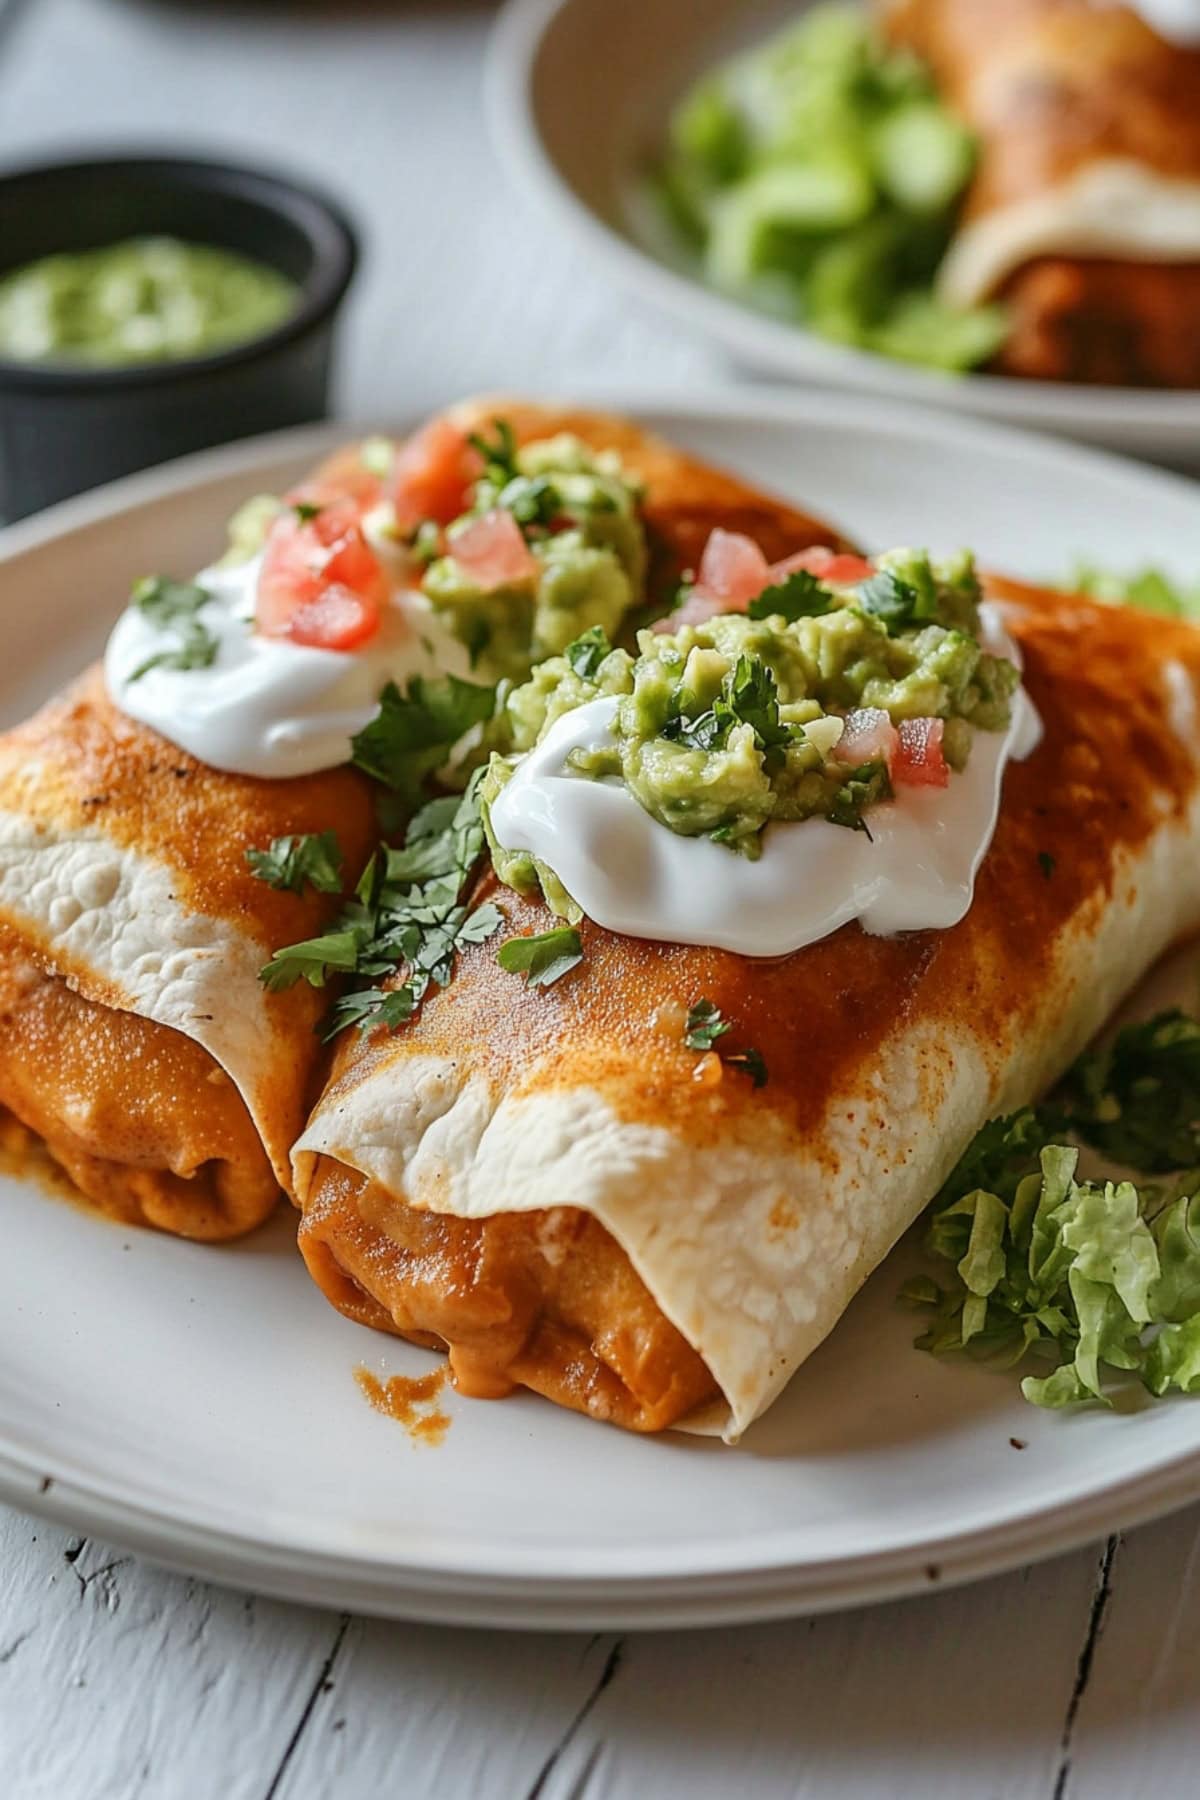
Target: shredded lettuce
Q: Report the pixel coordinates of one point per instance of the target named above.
(1150, 589)
(1092, 1281)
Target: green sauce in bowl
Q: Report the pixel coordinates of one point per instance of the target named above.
(144, 300)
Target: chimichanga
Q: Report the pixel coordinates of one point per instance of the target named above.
(550, 1181)
(136, 1036)
(1084, 215)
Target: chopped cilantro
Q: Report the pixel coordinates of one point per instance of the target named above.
(406, 914)
(897, 603)
(751, 1062)
(291, 861)
(798, 596)
(306, 511)
(533, 501)
(749, 696)
(168, 602)
(588, 651)
(498, 454)
(704, 1025)
(863, 788)
(544, 957)
(413, 733)
(1046, 863)
(314, 960)
(174, 606)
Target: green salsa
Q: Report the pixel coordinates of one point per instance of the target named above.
(145, 300)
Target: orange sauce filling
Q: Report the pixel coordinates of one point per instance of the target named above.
(411, 1400)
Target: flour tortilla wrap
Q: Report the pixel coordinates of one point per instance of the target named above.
(749, 1218)
(1084, 215)
(135, 1035)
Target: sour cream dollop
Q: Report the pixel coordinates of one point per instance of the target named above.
(267, 706)
(636, 876)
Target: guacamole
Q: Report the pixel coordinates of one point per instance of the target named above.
(724, 726)
(578, 513)
(145, 300)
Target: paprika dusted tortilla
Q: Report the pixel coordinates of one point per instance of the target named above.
(136, 1036)
(553, 1184)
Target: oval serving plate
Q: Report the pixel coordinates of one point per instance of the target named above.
(199, 1404)
(579, 90)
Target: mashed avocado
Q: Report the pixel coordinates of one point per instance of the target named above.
(579, 515)
(724, 726)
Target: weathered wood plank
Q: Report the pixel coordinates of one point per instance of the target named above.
(956, 1693)
(119, 1680)
(1137, 1727)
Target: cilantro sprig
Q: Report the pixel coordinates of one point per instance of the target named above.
(798, 596)
(898, 604)
(498, 454)
(544, 957)
(588, 651)
(406, 915)
(414, 732)
(1093, 1279)
(705, 1024)
(291, 861)
(749, 696)
(174, 607)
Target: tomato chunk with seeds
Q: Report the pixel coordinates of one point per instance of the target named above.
(342, 476)
(732, 569)
(920, 758)
(320, 583)
(836, 567)
(492, 553)
(433, 475)
(868, 736)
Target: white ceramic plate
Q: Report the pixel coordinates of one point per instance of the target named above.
(579, 89)
(199, 1403)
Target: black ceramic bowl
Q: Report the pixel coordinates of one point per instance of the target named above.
(63, 429)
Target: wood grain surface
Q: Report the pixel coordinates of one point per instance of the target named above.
(1076, 1680)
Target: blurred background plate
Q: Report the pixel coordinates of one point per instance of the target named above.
(200, 1405)
(580, 90)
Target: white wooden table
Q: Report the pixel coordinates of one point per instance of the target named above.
(1079, 1678)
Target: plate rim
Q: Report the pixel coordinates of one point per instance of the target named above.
(1168, 420)
(469, 1590)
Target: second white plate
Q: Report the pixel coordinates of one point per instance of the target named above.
(580, 89)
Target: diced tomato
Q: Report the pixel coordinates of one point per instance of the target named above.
(320, 582)
(433, 474)
(338, 619)
(342, 476)
(491, 552)
(869, 736)
(733, 572)
(920, 760)
(836, 567)
(732, 569)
